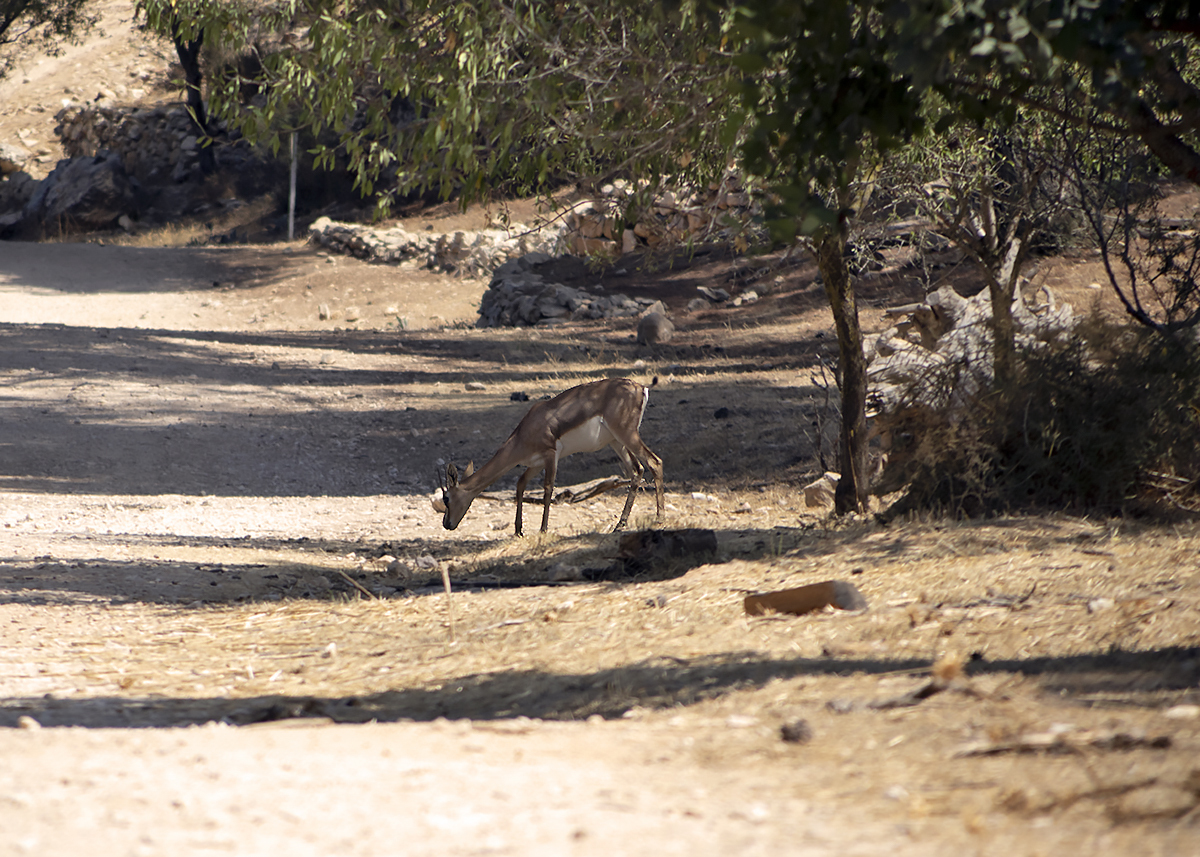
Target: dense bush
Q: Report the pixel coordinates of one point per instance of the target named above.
(1080, 430)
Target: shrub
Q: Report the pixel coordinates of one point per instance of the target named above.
(1081, 429)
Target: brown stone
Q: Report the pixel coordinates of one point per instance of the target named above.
(807, 599)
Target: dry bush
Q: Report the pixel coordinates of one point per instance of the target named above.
(1093, 427)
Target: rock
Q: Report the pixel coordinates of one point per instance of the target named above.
(644, 549)
(714, 295)
(655, 328)
(81, 193)
(561, 572)
(807, 599)
(1183, 711)
(938, 355)
(820, 491)
(13, 157)
(796, 732)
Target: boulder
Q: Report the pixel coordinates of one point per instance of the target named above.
(80, 194)
(13, 157)
(654, 328)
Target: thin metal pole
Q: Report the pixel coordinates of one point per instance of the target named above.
(292, 195)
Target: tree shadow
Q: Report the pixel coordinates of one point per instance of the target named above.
(655, 684)
(153, 412)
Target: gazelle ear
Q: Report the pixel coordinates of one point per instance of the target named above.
(439, 505)
(470, 468)
(451, 475)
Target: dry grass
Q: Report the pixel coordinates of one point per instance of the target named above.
(200, 230)
(1040, 597)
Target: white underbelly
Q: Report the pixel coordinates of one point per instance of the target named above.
(587, 437)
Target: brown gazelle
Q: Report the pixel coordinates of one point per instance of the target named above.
(586, 418)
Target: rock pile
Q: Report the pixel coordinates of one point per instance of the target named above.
(519, 296)
(155, 145)
(469, 254)
(609, 226)
(939, 353)
(124, 164)
(593, 227)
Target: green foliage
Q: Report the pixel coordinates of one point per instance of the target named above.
(1134, 61)
(43, 25)
(460, 98)
(824, 99)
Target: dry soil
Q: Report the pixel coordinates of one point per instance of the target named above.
(223, 627)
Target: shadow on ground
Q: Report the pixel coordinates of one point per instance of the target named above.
(656, 684)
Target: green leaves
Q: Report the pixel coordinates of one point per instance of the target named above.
(466, 98)
(985, 46)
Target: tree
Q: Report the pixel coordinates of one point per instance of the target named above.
(42, 25)
(1152, 261)
(525, 93)
(175, 19)
(999, 193)
(1129, 71)
(461, 98)
(834, 87)
(1136, 60)
(824, 106)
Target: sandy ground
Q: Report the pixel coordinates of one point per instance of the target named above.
(222, 623)
(223, 628)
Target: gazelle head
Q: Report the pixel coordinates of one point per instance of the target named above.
(455, 500)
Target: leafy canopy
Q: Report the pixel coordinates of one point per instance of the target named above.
(459, 97)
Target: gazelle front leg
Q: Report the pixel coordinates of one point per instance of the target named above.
(521, 483)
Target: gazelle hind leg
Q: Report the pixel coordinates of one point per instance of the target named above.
(633, 469)
(656, 471)
(551, 473)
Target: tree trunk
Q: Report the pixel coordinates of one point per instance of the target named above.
(1002, 286)
(853, 488)
(189, 59)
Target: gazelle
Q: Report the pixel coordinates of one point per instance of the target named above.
(586, 418)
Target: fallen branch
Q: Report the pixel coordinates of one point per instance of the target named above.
(357, 585)
(572, 494)
(1065, 742)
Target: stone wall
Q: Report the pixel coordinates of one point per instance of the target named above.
(156, 145)
(519, 296)
(607, 225)
(468, 254)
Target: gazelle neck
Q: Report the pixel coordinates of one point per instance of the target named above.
(495, 467)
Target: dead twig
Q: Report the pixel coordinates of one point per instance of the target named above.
(357, 585)
(1065, 742)
(449, 602)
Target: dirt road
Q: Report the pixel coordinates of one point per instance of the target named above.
(222, 625)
